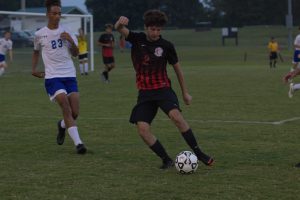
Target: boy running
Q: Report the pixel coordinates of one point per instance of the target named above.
(150, 54)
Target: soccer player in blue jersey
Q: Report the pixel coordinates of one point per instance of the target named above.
(150, 54)
(58, 45)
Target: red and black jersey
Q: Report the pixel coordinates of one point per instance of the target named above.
(107, 38)
(150, 61)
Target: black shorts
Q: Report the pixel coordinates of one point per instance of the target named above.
(108, 60)
(273, 55)
(82, 56)
(150, 100)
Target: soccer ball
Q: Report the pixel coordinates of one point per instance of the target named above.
(186, 162)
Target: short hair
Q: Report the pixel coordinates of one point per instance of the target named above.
(155, 18)
(108, 26)
(50, 3)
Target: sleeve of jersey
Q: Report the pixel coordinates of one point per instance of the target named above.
(132, 37)
(36, 42)
(172, 55)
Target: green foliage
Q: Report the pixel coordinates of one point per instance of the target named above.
(13, 5)
(180, 13)
(250, 12)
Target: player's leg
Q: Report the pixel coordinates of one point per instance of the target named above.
(80, 59)
(86, 65)
(142, 115)
(188, 135)
(74, 134)
(170, 106)
(58, 90)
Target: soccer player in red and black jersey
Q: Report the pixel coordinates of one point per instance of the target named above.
(150, 55)
(107, 41)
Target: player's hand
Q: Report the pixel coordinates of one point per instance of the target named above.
(66, 36)
(287, 77)
(123, 21)
(187, 98)
(38, 74)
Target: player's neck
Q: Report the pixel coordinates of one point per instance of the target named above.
(52, 26)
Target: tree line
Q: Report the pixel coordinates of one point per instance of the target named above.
(184, 13)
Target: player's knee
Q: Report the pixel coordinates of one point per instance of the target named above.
(143, 128)
(176, 116)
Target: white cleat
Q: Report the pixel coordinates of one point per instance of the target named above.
(291, 90)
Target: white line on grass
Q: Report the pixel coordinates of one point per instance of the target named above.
(165, 119)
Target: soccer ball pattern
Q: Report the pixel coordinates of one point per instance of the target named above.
(186, 162)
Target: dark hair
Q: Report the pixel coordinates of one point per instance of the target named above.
(50, 3)
(108, 26)
(155, 18)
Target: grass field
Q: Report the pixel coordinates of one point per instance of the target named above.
(234, 106)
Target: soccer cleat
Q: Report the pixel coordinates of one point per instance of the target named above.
(206, 160)
(81, 149)
(291, 90)
(297, 165)
(167, 164)
(60, 139)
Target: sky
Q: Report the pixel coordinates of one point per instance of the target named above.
(79, 3)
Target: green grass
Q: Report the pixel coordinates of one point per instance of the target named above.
(253, 161)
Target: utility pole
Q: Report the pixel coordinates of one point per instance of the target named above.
(289, 24)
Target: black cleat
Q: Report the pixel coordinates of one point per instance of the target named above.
(297, 165)
(81, 149)
(60, 139)
(167, 164)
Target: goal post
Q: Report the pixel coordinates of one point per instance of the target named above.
(66, 19)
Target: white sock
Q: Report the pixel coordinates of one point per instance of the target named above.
(86, 67)
(73, 132)
(81, 68)
(296, 86)
(62, 124)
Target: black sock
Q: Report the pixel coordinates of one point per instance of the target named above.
(105, 74)
(191, 141)
(160, 151)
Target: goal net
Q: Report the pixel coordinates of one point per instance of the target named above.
(23, 25)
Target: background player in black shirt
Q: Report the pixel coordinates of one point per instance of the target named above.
(150, 54)
(107, 41)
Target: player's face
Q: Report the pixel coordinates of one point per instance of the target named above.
(153, 33)
(7, 35)
(54, 15)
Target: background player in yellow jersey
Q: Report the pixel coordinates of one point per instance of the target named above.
(273, 52)
(83, 53)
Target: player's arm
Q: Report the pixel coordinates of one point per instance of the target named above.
(73, 47)
(35, 60)
(186, 96)
(121, 24)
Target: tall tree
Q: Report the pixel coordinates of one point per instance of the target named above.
(180, 13)
(13, 5)
(250, 12)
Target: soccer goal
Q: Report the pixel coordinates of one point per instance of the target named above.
(24, 24)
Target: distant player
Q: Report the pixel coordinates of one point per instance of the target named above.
(107, 41)
(295, 69)
(5, 46)
(150, 54)
(58, 45)
(83, 53)
(273, 52)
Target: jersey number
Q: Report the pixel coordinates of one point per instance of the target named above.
(56, 44)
